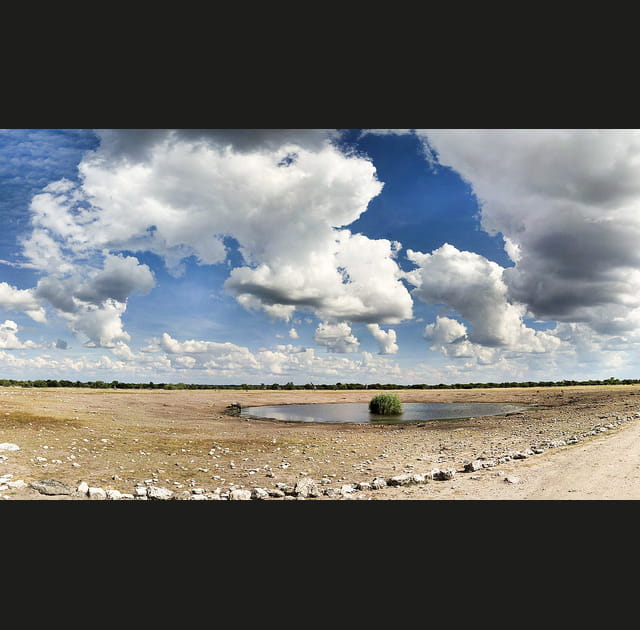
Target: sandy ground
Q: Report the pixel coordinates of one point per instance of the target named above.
(183, 440)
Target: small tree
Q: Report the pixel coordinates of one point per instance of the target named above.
(385, 405)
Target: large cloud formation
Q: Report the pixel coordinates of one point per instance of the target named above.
(568, 205)
(283, 197)
(93, 300)
(474, 287)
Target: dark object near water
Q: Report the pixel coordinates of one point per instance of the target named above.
(234, 409)
(359, 412)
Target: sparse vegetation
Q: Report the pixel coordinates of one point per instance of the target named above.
(385, 405)
(7, 382)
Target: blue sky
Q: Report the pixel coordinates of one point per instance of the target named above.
(359, 255)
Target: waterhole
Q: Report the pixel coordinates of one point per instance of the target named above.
(359, 412)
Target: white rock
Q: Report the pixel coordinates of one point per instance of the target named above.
(240, 495)
(512, 479)
(97, 493)
(154, 492)
(306, 487)
(141, 491)
(259, 493)
(378, 483)
(83, 487)
(8, 446)
(114, 495)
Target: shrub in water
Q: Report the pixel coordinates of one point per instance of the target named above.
(385, 404)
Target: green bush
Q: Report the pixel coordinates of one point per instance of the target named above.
(385, 405)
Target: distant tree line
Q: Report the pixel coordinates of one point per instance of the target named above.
(5, 382)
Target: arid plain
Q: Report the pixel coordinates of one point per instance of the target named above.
(586, 441)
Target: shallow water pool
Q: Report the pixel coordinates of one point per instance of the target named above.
(359, 412)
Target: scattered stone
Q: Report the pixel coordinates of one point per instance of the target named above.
(9, 446)
(140, 491)
(306, 487)
(378, 483)
(240, 495)
(276, 492)
(259, 493)
(473, 466)
(83, 488)
(512, 479)
(443, 475)
(51, 487)
(400, 480)
(97, 494)
(159, 493)
(363, 485)
(113, 495)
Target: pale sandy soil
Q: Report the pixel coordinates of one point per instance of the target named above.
(607, 466)
(184, 439)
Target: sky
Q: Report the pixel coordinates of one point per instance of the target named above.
(230, 256)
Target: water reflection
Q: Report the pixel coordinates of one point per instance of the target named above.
(359, 412)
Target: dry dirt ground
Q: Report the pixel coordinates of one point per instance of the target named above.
(177, 439)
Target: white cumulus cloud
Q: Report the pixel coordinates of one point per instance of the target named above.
(386, 340)
(9, 337)
(336, 337)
